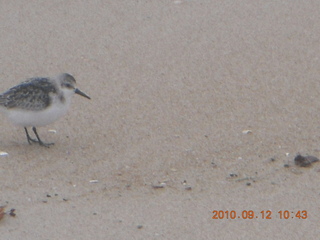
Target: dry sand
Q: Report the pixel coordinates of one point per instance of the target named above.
(173, 85)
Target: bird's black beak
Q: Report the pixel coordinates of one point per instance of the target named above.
(77, 91)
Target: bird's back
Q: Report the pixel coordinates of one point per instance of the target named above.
(32, 94)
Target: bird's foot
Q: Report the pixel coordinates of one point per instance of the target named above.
(45, 144)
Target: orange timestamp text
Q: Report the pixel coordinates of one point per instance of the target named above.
(264, 214)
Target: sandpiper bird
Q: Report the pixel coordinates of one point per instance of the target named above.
(38, 102)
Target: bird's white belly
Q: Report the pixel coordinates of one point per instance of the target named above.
(37, 118)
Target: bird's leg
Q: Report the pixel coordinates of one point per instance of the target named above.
(28, 137)
(31, 140)
(39, 140)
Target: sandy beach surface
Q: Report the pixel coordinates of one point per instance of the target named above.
(197, 107)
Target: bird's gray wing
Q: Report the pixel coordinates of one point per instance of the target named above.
(32, 94)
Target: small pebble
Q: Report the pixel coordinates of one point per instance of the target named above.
(161, 185)
(213, 164)
(12, 212)
(139, 226)
(3, 153)
(246, 131)
(233, 175)
(306, 161)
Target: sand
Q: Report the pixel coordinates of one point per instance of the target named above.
(164, 141)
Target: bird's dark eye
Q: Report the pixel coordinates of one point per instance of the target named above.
(67, 85)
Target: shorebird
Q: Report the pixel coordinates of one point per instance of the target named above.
(38, 102)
